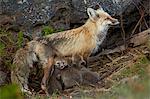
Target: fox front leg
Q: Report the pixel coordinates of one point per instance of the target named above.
(83, 61)
(47, 69)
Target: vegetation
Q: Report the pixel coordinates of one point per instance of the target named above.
(20, 39)
(7, 47)
(10, 92)
(9, 43)
(49, 30)
(135, 83)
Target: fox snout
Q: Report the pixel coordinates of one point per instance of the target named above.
(114, 21)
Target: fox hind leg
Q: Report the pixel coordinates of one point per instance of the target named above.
(47, 70)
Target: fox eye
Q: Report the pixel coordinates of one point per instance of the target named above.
(107, 18)
(58, 63)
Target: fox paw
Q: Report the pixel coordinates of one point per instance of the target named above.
(26, 91)
(44, 89)
(43, 86)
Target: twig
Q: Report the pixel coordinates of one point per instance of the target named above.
(140, 28)
(120, 70)
(123, 31)
(117, 49)
(3, 42)
(137, 24)
(97, 90)
(109, 57)
(117, 59)
(145, 23)
(142, 15)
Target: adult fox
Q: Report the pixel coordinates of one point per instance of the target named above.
(82, 41)
(85, 39)
(79, 42)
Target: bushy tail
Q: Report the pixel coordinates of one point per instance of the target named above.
(22, 62)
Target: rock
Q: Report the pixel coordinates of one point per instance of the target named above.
(27, 14)
(32, 13)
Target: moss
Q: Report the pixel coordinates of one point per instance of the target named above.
(60, 30)
(2, 49)
(47, 30)
(140, 67)
(20, 39)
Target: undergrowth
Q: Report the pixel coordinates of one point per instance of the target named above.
(46, 30)
(9, 43)
(137, 88)
(135, 83)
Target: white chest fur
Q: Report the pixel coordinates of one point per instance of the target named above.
(102, 32)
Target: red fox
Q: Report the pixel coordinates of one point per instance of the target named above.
(79, 42)
(85, 39)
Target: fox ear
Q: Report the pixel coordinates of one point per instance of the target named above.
(91, 13)
(98, 7)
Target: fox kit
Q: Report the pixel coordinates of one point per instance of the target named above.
(84, 40)
(72, 76)
(62, 62)
(54, 82)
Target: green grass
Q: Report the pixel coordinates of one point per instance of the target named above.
(20, 39)
(2, 49)
(49, 30)
(10, 92)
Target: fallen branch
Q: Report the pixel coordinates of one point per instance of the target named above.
(140, 38)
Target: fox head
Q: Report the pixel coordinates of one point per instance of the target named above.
(61, 62)
(101, 18)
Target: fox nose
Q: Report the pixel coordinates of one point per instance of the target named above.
(61, 67)
(115, 22)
